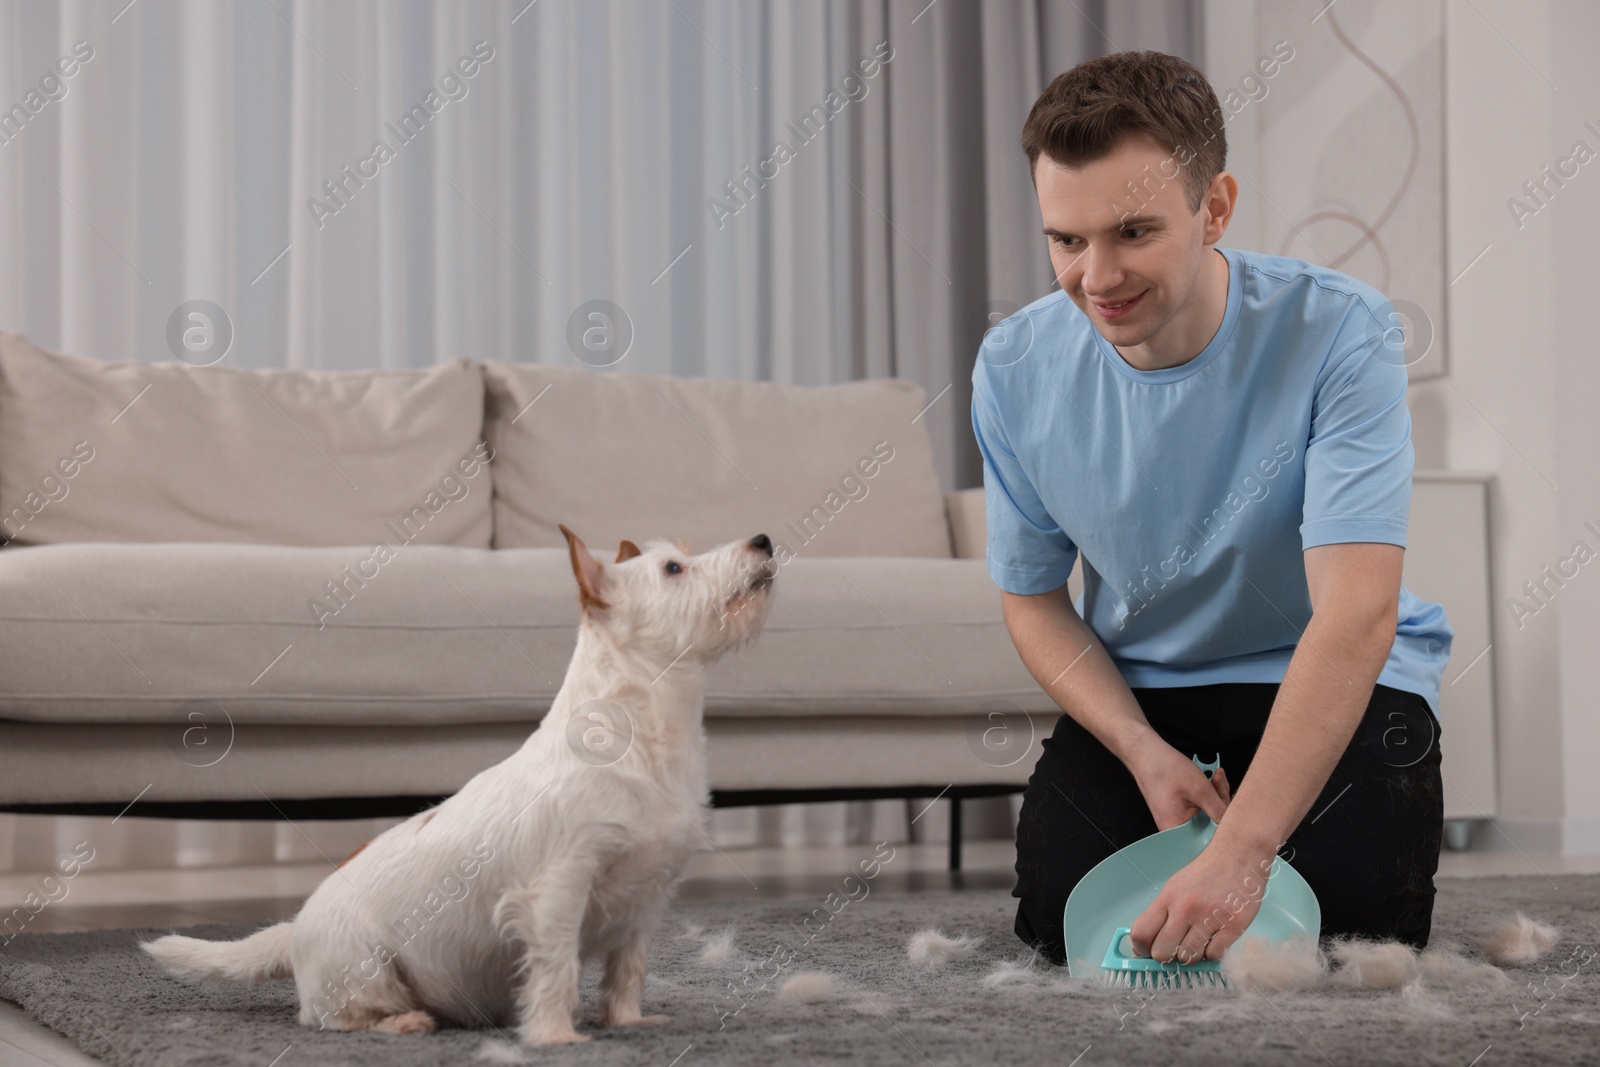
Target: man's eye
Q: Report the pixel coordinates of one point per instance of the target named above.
(673, 568)
(1133, 232)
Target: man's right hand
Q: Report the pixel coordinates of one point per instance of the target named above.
(1173, 787)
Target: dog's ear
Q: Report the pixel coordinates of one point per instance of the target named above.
(588, 571)
(627, 550)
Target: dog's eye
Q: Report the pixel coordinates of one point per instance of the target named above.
(673, 568)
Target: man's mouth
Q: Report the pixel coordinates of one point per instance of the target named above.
(1117, 310)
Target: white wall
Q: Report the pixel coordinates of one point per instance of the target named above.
(1493, 411)
(1520, 397)
(1573, 225)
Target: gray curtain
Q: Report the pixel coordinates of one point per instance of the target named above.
(228, 152)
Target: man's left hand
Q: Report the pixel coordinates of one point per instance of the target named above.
(1204, 907)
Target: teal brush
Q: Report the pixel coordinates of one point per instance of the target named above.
(1124, 969)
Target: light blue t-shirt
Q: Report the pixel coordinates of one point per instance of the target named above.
(1192, 491)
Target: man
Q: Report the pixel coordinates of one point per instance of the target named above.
(1223, 436)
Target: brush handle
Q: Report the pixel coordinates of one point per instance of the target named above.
(1200, 819)
(1117, 960)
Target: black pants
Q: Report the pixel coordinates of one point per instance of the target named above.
(1368, 846)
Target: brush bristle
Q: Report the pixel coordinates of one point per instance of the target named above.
(1165, 979)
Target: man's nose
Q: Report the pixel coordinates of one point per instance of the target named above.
(1101, 273)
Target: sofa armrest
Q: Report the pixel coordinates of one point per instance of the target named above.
(964, 508)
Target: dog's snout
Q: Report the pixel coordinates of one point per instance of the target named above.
(762, 542)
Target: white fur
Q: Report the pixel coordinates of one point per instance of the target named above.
(717, 948)
(1421, 1000)
(1255, 964)
(1023, 976)
(1274, 967)
(262, 956)
(808, 987)
(495, 1050)
(933, 948)
(1444, 967)
(1374, 964)
(1517, 941)
(1006, 973)
(573, 843)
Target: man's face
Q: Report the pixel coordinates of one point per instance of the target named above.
(1120, 230)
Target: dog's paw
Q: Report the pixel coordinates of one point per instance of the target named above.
(411, 1022)
(552, 1036)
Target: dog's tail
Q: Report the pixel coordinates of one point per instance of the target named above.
(257, 958)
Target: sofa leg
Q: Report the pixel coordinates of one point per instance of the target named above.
(955, 833)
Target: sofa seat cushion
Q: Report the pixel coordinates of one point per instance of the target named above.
(180, 633)
(79, 763)
(92, 450)
(825, 471)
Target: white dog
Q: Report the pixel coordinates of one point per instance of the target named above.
(483, 910)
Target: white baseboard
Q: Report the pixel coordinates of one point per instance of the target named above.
(1564, 836)
(1581, 837)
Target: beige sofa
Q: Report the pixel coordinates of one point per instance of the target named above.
(235, 592)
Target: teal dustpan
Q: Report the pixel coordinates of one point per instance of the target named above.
(1116, 891)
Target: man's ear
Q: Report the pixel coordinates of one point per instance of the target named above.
(627, 550)
(589, 572)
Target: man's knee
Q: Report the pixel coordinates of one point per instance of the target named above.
(1037, 932)
(1407, 919)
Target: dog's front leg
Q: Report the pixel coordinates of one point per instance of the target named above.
(547, 917)
(627, 963)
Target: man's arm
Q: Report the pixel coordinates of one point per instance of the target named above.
(1067, 659)
(1355, 592)
(1355, 601)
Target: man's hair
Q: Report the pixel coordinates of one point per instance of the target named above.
(1082, 115)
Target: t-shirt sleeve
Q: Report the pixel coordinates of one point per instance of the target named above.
(1027, 551)
(1359, 457)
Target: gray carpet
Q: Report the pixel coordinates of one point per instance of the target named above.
(114, 1003)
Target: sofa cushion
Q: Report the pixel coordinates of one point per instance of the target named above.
(147, 452)
(825, 471)
(266, 634)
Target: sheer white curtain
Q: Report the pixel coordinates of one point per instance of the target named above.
(570, 150)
